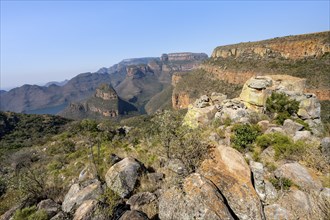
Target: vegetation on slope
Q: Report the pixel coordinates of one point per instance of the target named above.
(22, 130)
(199, 82)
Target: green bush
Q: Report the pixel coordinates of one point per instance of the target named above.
(39, 215)
(244, 136)
(281, 183)
(281, 106)
(285, 147)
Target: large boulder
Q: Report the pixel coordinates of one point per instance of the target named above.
(254, 92)
(122, 176)
(199, 199)
(299, 176)
(77, 195)
(228, 170)
(145, 202)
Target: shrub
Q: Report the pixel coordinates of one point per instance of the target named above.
(281, 183)
(283, 145)
(244, 136)
(281, 106)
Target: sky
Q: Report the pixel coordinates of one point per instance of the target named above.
(44, 41)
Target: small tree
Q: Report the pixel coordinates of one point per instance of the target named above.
(244, 136)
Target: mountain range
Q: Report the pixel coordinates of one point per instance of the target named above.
(135, 80)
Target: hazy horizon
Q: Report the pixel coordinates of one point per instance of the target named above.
(57, 40)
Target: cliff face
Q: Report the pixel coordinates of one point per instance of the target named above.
(292, 47)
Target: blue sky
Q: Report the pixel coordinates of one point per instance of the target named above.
(44, 41)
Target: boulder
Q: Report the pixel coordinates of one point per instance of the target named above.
(299, 175)
(290, 127)
(199, 116)
(302, 205)
(309, 107)
(228, 170)
(85, 210)
(51, 207)
(254, 93)
(264, 125)
(145, 202)
(77, 195)
(134, 215)
(198, 199)
(258, 179)
(302, 135)
(122, 176)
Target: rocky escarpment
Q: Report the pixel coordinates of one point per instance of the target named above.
(305, 56)
(104, 104)
(291, 47)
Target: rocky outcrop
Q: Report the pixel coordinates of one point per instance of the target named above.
(122, 177)
(257, 89)
(199, 199)
(291, 47)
